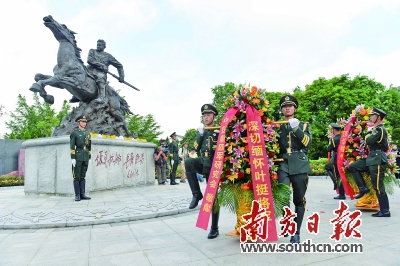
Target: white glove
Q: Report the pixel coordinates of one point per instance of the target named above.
(294, 122)
(370, 129)
(201, 129)
(88, 162)
(172, 162)
(73, 162)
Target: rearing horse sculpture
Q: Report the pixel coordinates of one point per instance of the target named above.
(71, 74)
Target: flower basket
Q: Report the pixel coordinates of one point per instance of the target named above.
(236, 182)
(357, 149)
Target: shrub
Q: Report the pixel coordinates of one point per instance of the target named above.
(11, 181)
(318, 167)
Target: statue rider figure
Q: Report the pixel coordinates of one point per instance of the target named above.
(99, 61)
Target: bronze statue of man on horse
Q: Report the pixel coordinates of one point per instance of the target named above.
(88, 85)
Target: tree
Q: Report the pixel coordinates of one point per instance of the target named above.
(190, 136)
(145, 127)
(33, 121)
(221, 94)
(327, 100)
(64, 111)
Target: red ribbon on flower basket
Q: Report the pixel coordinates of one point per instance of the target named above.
(340, 159)
(215, 173)
(260, 169)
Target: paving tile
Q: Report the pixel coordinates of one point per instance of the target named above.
(174, 255)
(144, 230)
(113, 247)
(161, 241)
(20, 257)
(126, 259)
(49, 253)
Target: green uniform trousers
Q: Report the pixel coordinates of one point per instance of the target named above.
(377, 173)
(196, 165)
(299, 184)
(79, 171)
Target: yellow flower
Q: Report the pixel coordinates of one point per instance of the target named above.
(234, 118)
(245, 126)
(358, 157)
(247, 170)
(235, 93)
(366, 118)
(229, 148)
(266, 102)
(264, 109)
(350, 150)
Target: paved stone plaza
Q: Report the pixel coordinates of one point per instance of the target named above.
(174, 239)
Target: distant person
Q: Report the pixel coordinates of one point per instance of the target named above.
(160, 160)
(331, 167)
(81, 150)
(164, 144)
(397, 155)
(173, 153)
(183, 154)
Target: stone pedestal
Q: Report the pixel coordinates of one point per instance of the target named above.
(114, 164)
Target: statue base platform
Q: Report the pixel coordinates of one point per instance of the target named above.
(114, 164)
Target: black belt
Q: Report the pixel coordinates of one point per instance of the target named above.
(81, 147)
(294, 150)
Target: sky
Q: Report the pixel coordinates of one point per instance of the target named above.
(176, 51)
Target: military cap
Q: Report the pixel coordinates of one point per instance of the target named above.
(173, 134)
(208, 108)
(336, 126)
(192, 149)
(377, 111)
(289, 100)
(81, 118)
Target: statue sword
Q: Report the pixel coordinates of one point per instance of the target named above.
(115, 76)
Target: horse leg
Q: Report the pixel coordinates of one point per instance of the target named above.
(40, 84)
(40, 76)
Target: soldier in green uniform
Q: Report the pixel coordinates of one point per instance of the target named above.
(173, 153)
(205, 145)
(81, 146)
(294, 142)
(375, 163)
(331, 167)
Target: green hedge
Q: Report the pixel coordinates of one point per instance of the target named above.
(11, 181)
(318, 167)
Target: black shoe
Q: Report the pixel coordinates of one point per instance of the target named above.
(340, 197)
(195, 201)
(381, 214)
(213, 233)
(82, 190)
(173, 183)
(77, 191)
(295, 239)
(363, 191)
